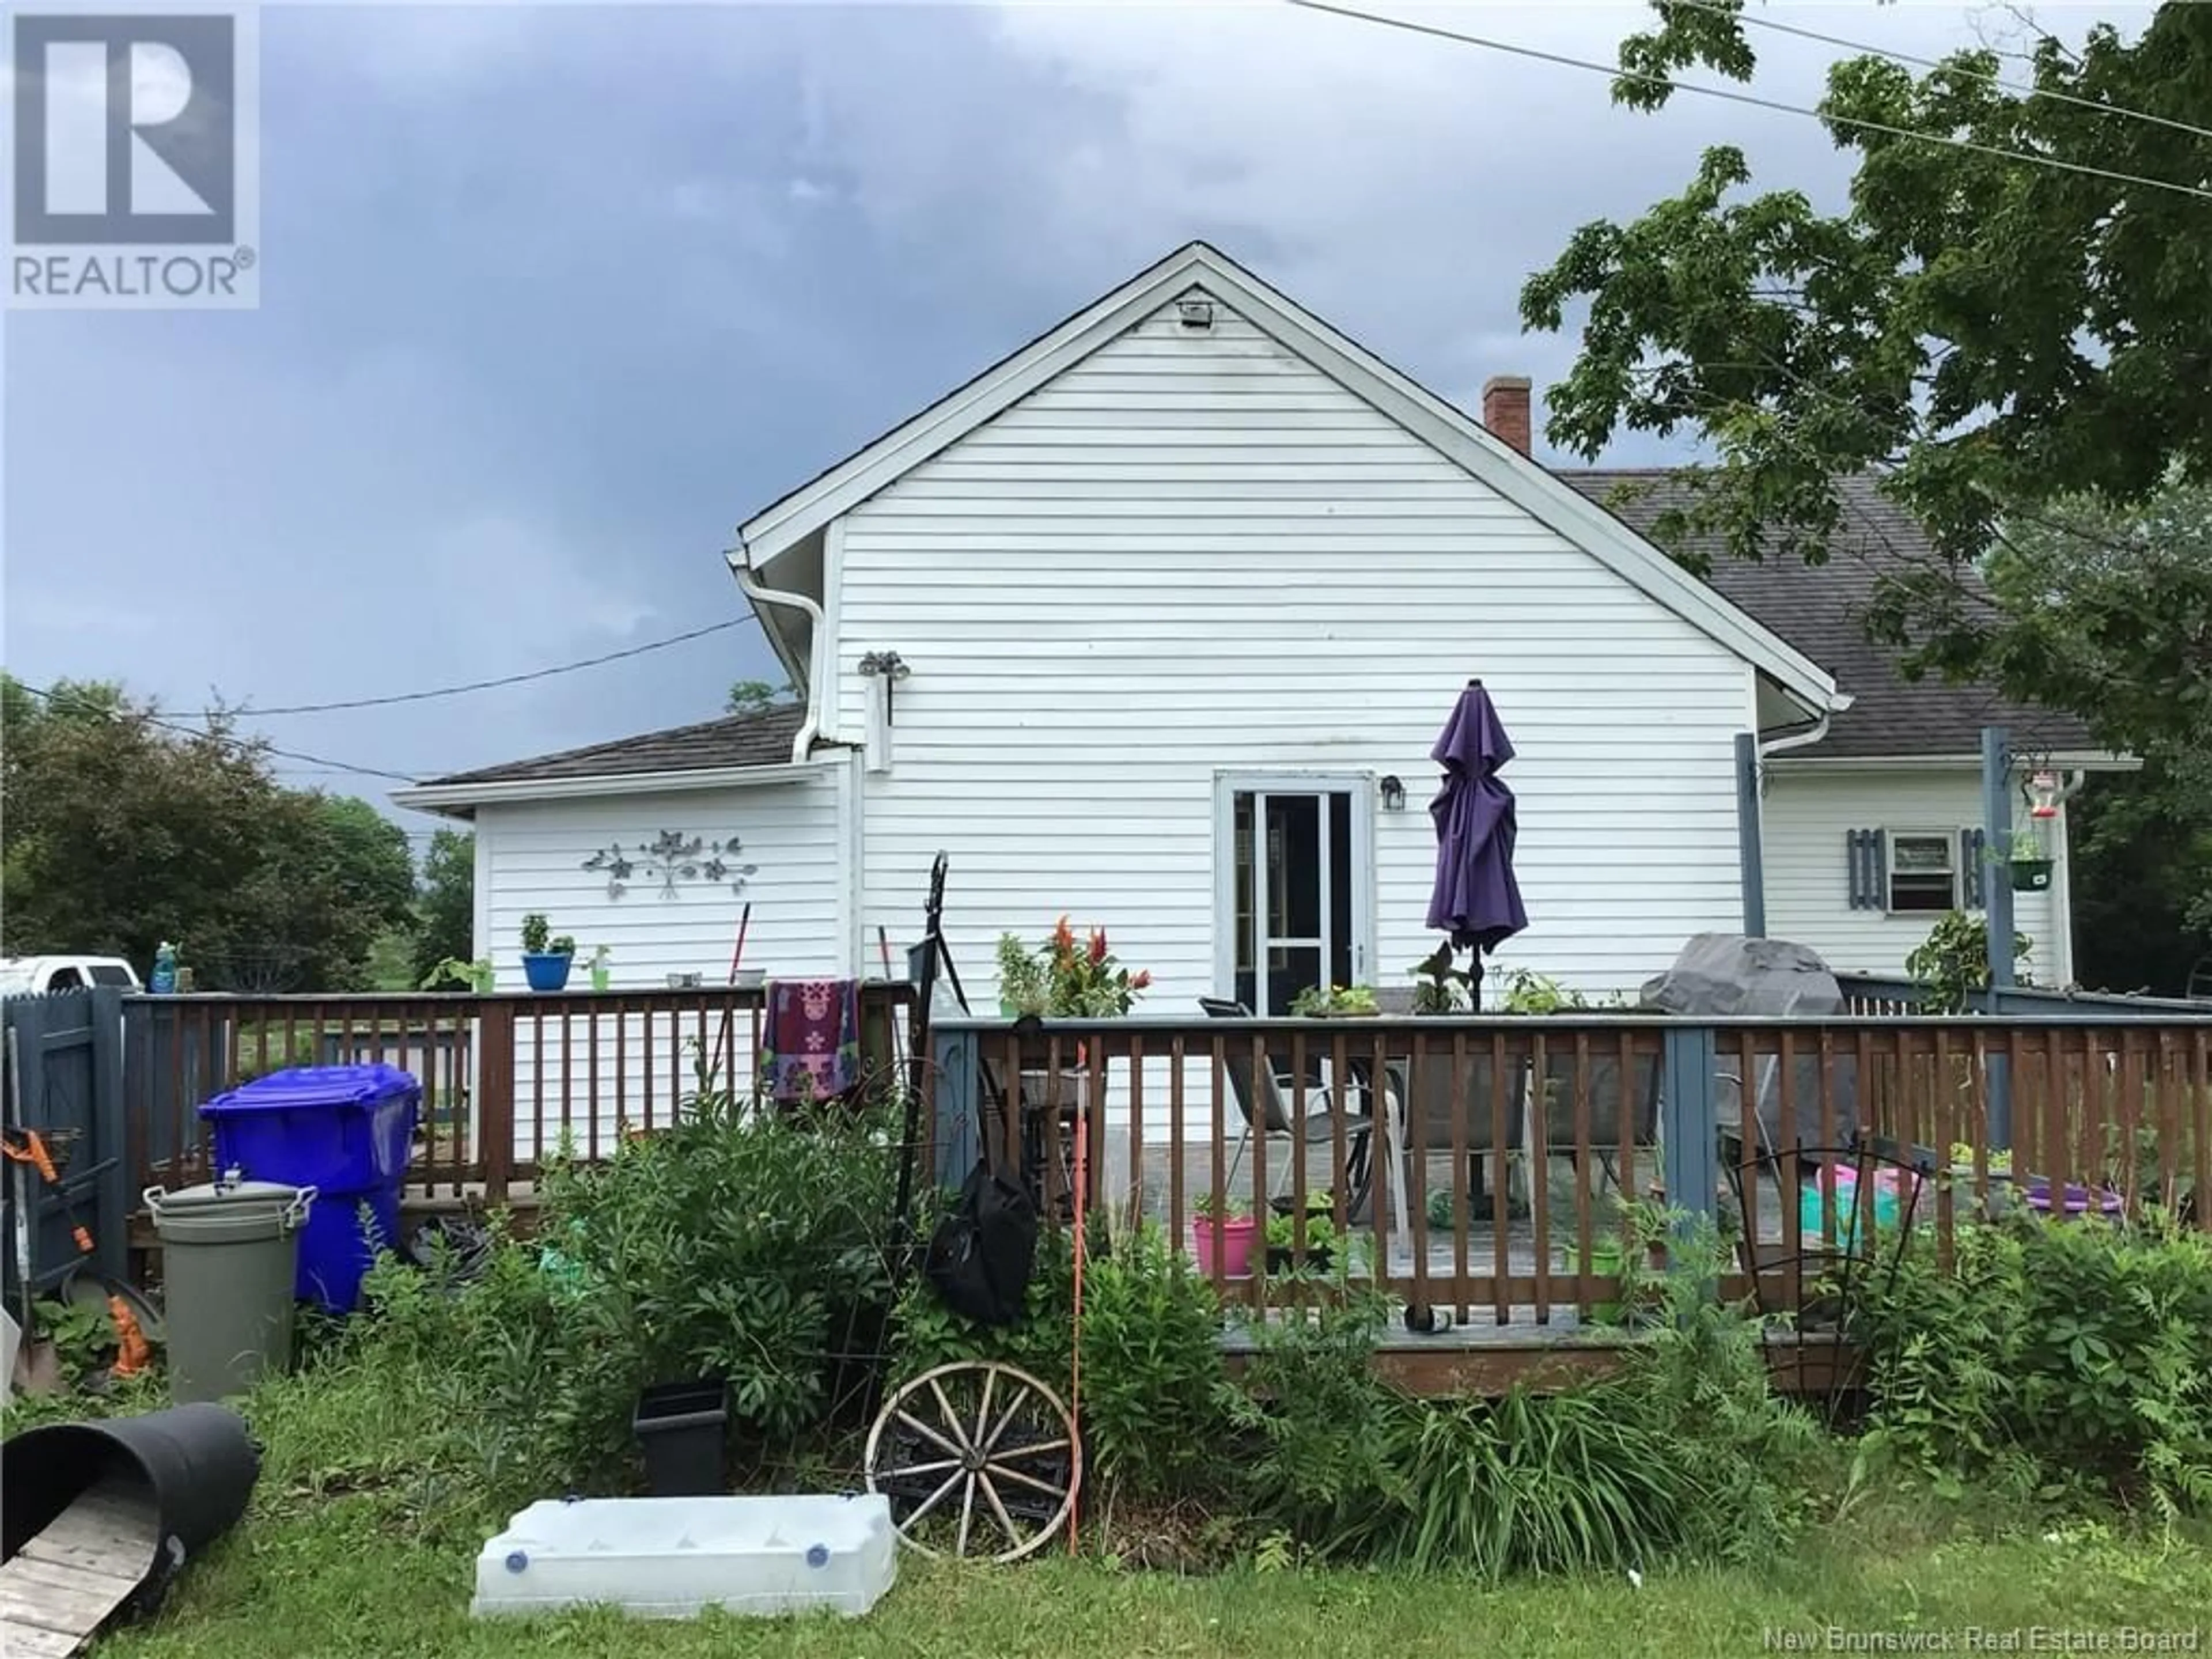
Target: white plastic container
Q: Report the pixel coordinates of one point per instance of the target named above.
(667, 1558)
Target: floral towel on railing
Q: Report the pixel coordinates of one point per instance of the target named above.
(810, 1045)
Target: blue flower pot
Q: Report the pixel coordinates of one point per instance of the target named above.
(545, 971)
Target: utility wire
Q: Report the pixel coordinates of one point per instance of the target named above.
(255, 744)
(1613, 71)
(2018, 88)
(491, 685)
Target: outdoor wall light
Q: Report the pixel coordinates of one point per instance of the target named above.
(892, 667)
(1393, 793)
(1196, 314)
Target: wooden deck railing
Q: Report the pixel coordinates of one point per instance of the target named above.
(1498, 1150)
(508, 1079)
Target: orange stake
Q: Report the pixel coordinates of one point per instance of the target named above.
(1075, 1351)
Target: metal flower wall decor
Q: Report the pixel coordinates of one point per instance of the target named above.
(672, 858)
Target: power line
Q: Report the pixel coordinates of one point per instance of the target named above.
(2018, 88)
(491, 684)
(1614, 72)
(254, 744)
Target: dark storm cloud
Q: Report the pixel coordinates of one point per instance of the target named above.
(554, 297)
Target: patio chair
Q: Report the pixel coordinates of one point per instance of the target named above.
(1612, 1098)
(1264, 1099)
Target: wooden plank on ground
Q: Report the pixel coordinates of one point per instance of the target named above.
(29, 1642)
(108, 1514)
(116, 1557)
(66, 1583)
(47, 1597)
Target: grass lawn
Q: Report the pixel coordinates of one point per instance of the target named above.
(338, 1577)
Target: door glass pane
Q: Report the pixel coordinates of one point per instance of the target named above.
(1340, 888)
(1240, 833)
(1294, 866)
(1290, 969)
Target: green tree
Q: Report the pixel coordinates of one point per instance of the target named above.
(446, 902)
(335, 874)
(120, 833)
(1995, 337)
(758, 696)
(123, 831)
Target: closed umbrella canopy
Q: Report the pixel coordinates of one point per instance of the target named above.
(1477, 902)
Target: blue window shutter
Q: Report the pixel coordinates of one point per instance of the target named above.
(1864, 860)
(1971, 866)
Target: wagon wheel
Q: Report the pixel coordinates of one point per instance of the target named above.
(977, 1458)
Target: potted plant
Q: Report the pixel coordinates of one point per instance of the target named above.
(1335, 1002)
(2030, 862)
(545, 960)
(1063, 978)
(1224, 1235)
(1608, 1259)
(1441, 987)
(453, 974)
(1321, 1235)
(602, 976)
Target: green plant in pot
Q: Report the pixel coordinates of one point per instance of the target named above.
(602, 975)
(454, 974)
(1335, 1002)
(1066, 977)
(1441, 987)
(1223, 1233)
(546, 959)
(2029, 862)
(1320, 1234)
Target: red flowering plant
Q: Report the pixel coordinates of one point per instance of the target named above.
(1065, 978)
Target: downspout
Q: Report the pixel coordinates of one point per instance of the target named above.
(816, 668)
(1811, 734)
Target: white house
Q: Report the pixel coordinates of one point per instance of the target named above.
(1189, 584)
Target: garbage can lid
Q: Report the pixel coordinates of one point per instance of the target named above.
(315, 1086)
(227, 1195)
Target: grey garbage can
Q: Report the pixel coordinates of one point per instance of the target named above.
(230, 1251)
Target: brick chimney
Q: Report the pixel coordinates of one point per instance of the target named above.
(1505, 408)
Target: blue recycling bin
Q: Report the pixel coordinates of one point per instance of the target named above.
(347, 1131)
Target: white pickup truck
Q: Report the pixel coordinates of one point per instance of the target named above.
(24, 977)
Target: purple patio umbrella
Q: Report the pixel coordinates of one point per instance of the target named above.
(1476, 901)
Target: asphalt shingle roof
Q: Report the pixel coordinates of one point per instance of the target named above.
(736, 740)
(1819, 610)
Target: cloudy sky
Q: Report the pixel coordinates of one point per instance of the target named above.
(554, 296)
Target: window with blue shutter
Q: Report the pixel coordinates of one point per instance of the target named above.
(1865, 858)
(1971, 866)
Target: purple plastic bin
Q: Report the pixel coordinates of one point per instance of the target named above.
(347, 1131)
(2075, 1201)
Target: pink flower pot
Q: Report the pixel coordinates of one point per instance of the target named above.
(1231, 1238)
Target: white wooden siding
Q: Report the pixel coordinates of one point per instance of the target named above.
(531, 858)
(1194, 552)
(1808, 900)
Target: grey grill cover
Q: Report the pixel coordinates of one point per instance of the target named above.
(1722, 976)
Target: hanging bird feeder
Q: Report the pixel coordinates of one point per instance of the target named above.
(2043, 791)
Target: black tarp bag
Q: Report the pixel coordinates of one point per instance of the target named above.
(981, 1255)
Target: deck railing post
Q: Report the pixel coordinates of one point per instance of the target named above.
(1691, 1119)
(494, 1113)
(956, 1064)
